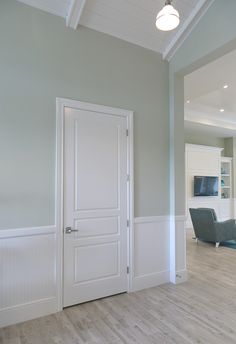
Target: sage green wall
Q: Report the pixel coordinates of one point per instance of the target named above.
(213, 36)
(229, 146)
(201, 139)
(40, 60)
(177, 145)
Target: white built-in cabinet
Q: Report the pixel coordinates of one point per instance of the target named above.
(207, 161)
(226, 178)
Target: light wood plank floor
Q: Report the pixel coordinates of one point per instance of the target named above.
(202, 310)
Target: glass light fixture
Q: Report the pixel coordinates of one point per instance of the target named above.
(168, 18)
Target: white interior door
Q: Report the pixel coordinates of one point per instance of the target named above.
(95, 205)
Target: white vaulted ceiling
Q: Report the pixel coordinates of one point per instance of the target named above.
(130, 20)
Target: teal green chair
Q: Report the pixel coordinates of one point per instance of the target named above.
(206, 227)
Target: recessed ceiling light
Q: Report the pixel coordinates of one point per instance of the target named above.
(222, 110)
(188, 101)
(225, 86)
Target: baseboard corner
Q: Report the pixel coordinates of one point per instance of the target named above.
(177, 277)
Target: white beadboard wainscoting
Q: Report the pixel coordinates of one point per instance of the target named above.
(151, 263)
(27, 273)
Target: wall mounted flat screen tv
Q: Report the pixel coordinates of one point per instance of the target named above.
(205, 186)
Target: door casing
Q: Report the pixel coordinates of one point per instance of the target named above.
(61, 103)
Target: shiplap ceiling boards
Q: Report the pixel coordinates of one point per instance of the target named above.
(130, 20)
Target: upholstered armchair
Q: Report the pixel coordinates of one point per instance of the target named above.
(206, 226)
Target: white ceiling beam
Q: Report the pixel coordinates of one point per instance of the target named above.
(190, 23)
(75, 12)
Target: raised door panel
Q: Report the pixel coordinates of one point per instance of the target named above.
(92, 227)
(97, 165)
(101, 261)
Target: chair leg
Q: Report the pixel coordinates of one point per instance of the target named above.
(217, 244)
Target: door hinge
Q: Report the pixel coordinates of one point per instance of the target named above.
(127, 132)
(128, 223)
(127, 269)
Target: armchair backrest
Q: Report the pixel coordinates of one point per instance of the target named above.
(203, 220)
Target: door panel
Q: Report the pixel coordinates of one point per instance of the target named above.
(97, 171)
(99, 266)
(95, 205)
(97, 226)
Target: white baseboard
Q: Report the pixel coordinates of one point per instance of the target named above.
(151, 280)
(28, 311)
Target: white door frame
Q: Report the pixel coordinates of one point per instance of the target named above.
(61, 103)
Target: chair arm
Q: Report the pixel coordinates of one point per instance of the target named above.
(225, 230)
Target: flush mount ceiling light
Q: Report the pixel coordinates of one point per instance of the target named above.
(168, 18)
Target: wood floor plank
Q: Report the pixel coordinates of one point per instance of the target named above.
(200, 311)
